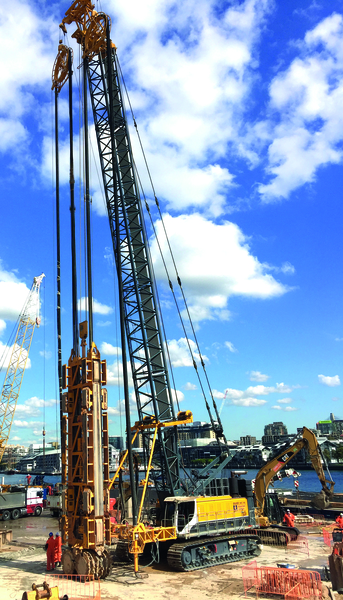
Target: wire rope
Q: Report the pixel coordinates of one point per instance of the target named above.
(201, 360)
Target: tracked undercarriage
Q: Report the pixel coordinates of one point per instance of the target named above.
(205, 552)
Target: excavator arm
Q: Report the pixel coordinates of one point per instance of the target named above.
(268, 471)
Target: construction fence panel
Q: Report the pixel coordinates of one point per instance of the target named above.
(76, 587)
(299, 544)
(290, 583)
(249, 575)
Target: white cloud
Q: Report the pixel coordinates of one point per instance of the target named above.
(190, 74)
(248, 397)
(6, 353)
(248, 402)
(231, 347)
(209, 282)
(13, 294)
(329, 381)
(306, 130)
(180, 355)
(2, 326)
(22, 27)
(258, 376)
(218, 395)
(28, 424)
(15, 438)
(189, 386)
(285, 401)
(115, 374)
(98, 308)
(32, 406)
(109, 349)
(284, 408)
(47, 354)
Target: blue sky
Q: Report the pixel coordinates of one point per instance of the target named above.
(239, 106)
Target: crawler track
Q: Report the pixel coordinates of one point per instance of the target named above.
(209, 552)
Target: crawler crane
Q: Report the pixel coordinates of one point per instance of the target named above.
(200, 520)
(28, 319)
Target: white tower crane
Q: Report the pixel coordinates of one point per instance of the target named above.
(28, 319)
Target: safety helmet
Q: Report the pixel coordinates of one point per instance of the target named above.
(57, 534)
(288, 510)
(341, 515)
(51, 534)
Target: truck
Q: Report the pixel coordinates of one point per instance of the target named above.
(54, 502)
(20, 501)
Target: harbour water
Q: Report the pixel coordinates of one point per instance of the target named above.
(308, 480)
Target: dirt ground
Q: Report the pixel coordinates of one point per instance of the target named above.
(24, 563)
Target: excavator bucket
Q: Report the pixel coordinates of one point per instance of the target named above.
(321, 500)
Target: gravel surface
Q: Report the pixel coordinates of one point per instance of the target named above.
(23, 564)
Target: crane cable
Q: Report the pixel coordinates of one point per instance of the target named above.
(176, 272)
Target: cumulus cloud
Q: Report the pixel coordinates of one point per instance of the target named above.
(189, 386)
(305, 131)
(182, 51)
(6, 354)
(231, 347)
(210, 283)
(248, 401)
(22, 27)
(285, 401)
(33, 406)
(13, 295)
(109, 349)
(329, 381)
(258, 376)
(98, 308)
(28, 424)
(248, 397)
(284, 408)
(180, 355)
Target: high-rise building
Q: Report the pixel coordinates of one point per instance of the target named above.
(116, 441)
(247, 440)
(276, 428)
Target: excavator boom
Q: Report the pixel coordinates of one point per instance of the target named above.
(266, 474)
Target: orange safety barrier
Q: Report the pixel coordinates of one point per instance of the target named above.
(76, 587)
(299, 544)
(327, 536)
(290, 583)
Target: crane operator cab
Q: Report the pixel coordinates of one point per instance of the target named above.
(194, 516)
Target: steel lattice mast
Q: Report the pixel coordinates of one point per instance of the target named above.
(153, 392)
(28, 320)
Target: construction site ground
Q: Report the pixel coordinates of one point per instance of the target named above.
(24, 562)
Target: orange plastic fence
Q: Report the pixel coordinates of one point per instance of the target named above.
(327, 536)
(299, 544)
(290, 583)
(76, 587)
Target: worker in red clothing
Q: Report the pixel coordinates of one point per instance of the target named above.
(50, 552)
(58, 550)
(28, 479)
(339, 520)
(289, 518)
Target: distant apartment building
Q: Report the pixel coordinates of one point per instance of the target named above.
(276, 428)
(247, 440)
(196, 430)
(116, 441)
